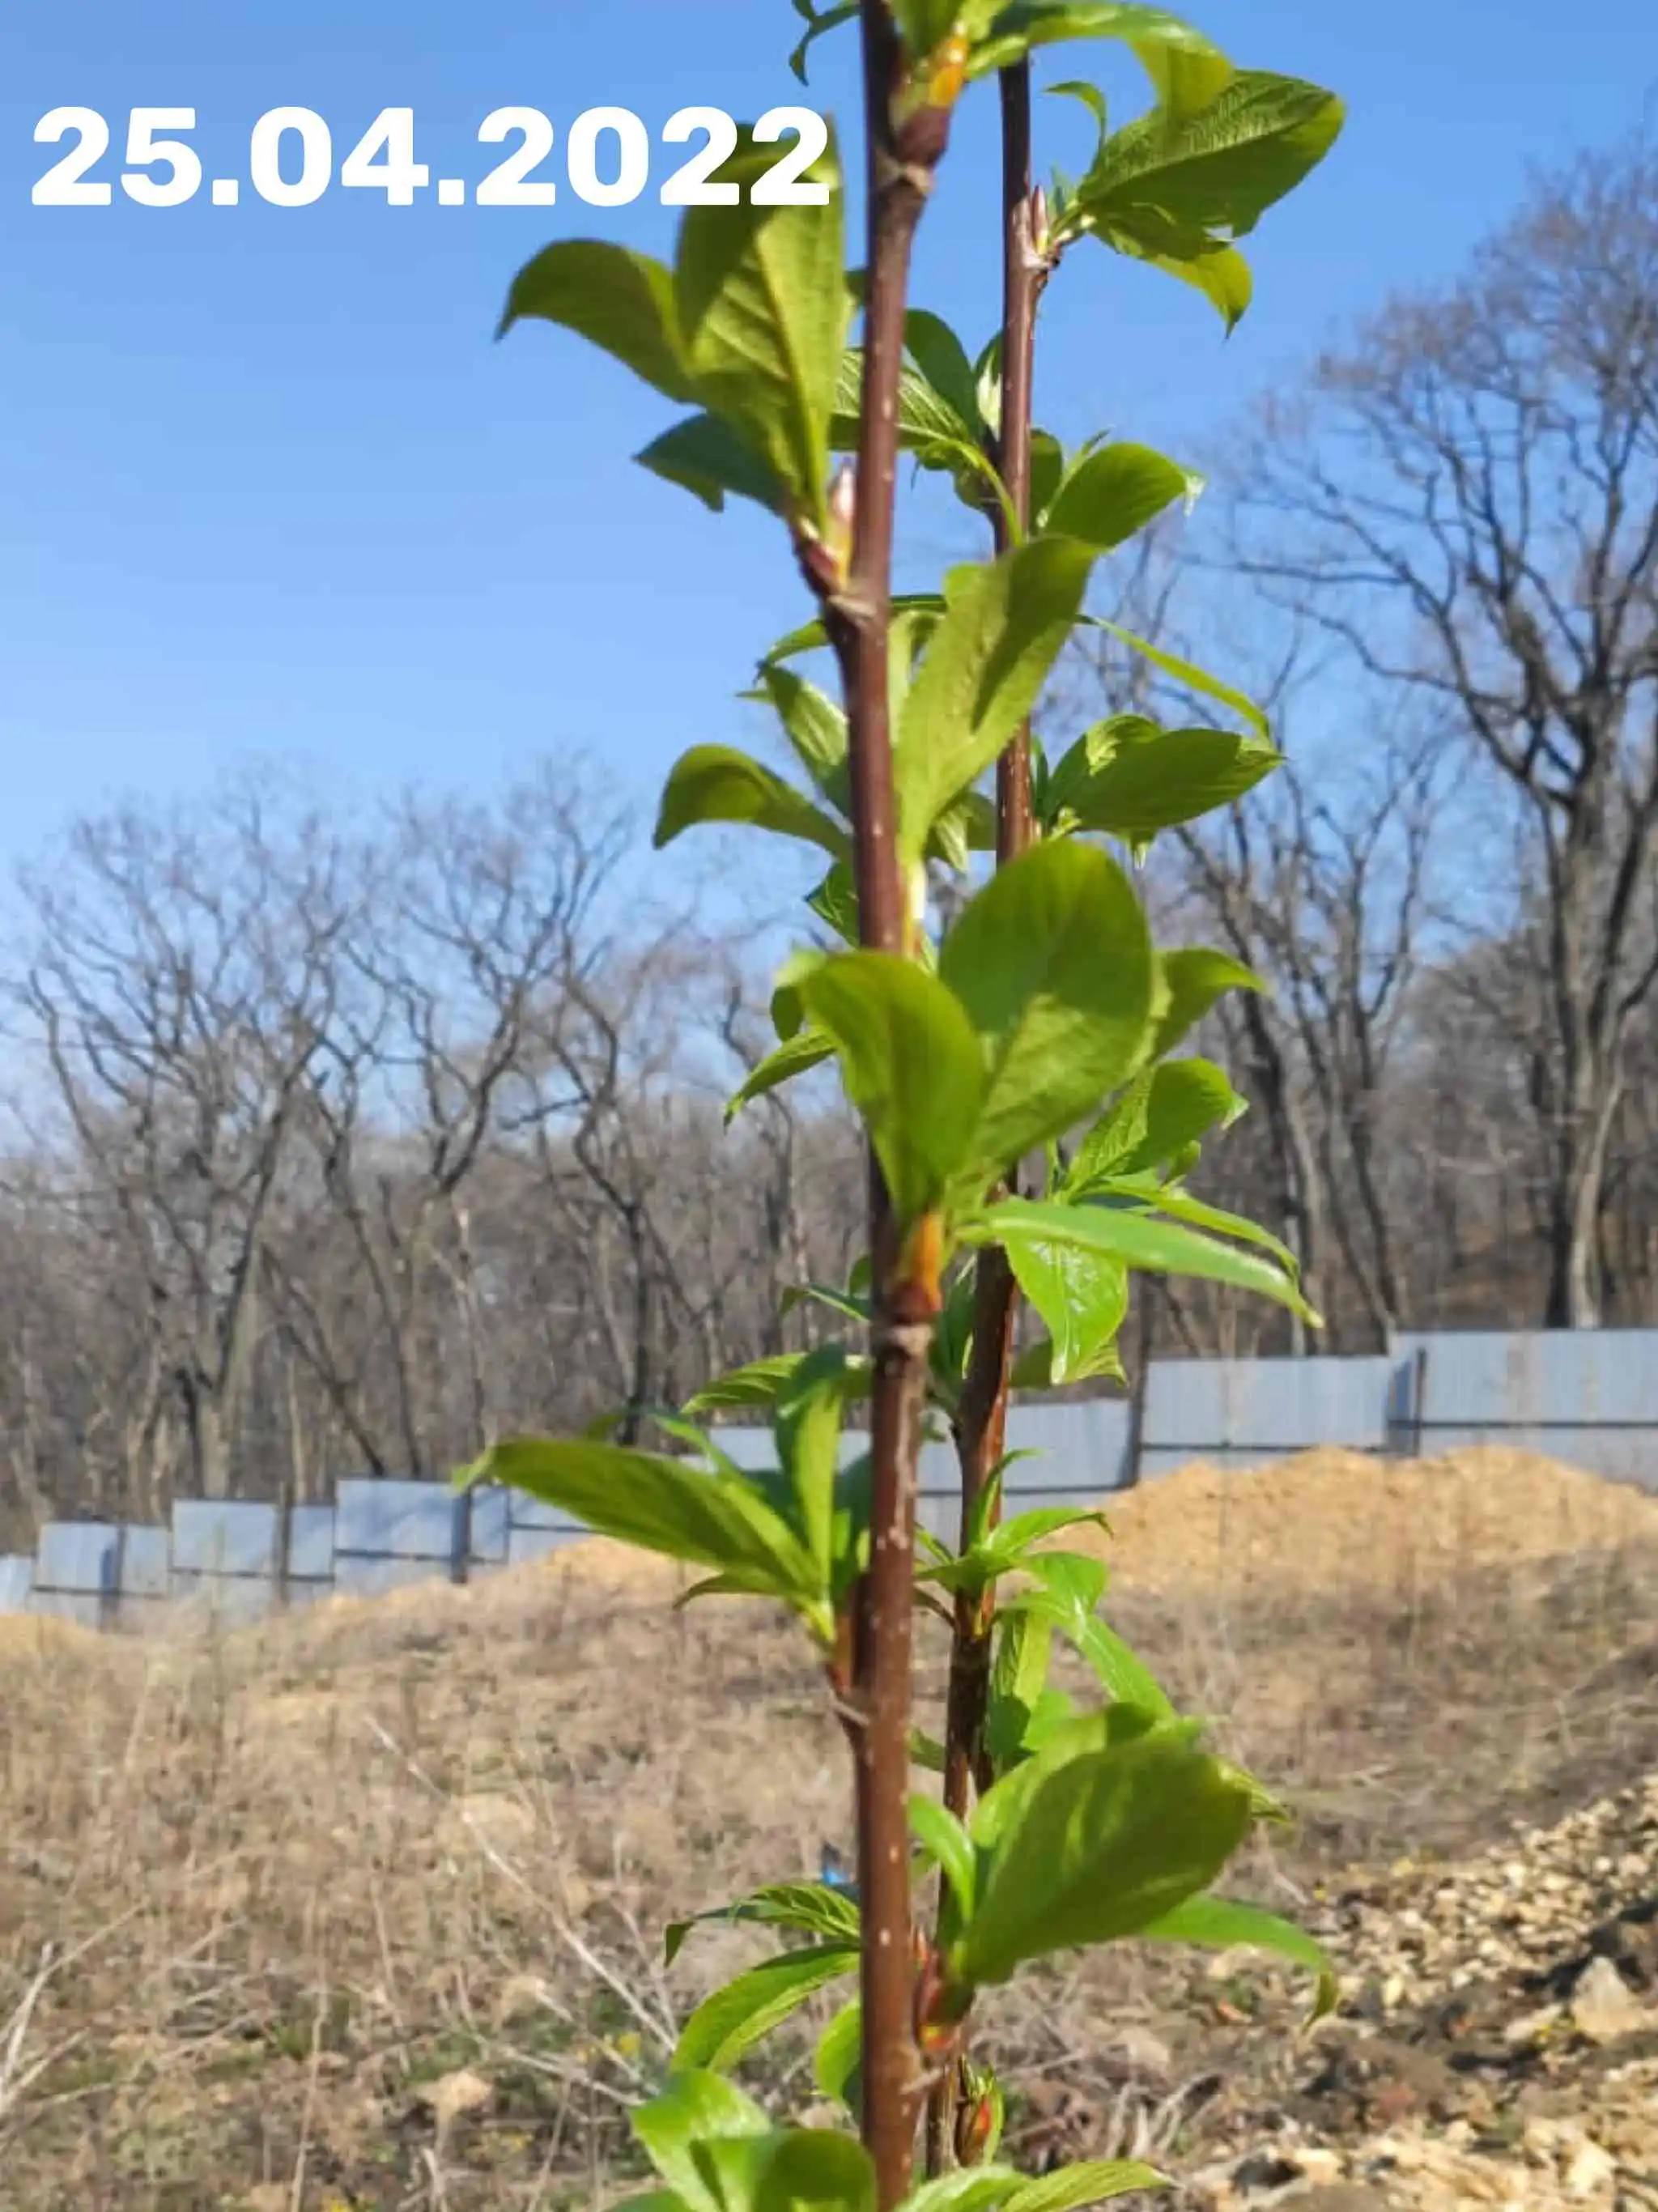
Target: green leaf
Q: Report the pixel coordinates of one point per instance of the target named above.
(761, 1382)
(1081, 1298)
(835, 903)
(967, 2189)
(1221, 273)
(619, 301)
(1218, 1924)
(1012, 32)
(1214, 170)
(1140, 1240)
(1180, 1206)
(1189, 675)
(1101, 1846)
(807, 1423)
(1004, 625)
(816, 727)
(1120, 1671)
(1129, 778)
(818, 2170)
(1193, 977)
(734, 2018)
(1053, 962)
(942, 1835)
(839, 2054)
(763, 302)
(941, 359)
(664, 1505)
(924, 25)
(1091, 2181)
(1114, 491)
(857, 1309)
(1018, 1675)
(706, 457)
(812, 1907)
(1162, 1114)
(806, 1049)
(716, 783)
(694, 2108)
(910, 1065)
(930, 426)
(830, 20)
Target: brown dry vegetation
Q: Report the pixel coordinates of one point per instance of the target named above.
(363, 1909)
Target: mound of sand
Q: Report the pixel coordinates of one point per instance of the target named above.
(1332, 1517)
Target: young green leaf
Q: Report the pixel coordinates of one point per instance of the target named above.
(818, 26)
(1053, 962)
(1216, 169)
(944, 1838)
(811, 1907)
(1128, 778)
(840, 2050)
(816, 2170)
(762, 300)
(1082, 1297)
(694, 2109)
(619, 301)
(968, 2189)
(910, 1064)
(664, 1505)
(1004, 624)
(1139, 1239)
(728, 2024)
(807, 1425)
(1173, 1106)
(816, 727)
(941, 359)
(806, 1050)
(1101, 1846)
(1193, 977)
(759, 1383)
(1218, 1924)
(1091, 2181)
(1192, 677)
(1019, 1676)
(716, 783)
(1007, 33)
(1110, 494)
(706, 457)
(924, 24)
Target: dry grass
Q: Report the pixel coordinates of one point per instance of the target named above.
(259, 1894)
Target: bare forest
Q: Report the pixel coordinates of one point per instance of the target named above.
(339, 1147)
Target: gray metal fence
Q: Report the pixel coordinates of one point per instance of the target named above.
(1588, 1398)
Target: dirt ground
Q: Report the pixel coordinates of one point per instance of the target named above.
(362, 1910)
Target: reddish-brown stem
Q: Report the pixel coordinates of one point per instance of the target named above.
(981, 1417)
(858, 620)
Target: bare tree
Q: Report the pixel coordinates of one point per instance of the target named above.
(1468, 501)
(183, 978)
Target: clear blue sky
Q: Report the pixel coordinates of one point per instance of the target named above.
(269, 488)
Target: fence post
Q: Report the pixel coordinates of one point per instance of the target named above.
(1418, 1398)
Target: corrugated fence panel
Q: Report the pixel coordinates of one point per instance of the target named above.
(491, 1525)
(79, 1557)
(210, 1538)
(311, 1543)
(16, 1580)
(1200, 1407)
(1587, 1397)
(146, 1566)
(396, 1520)
(1083, 1451)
